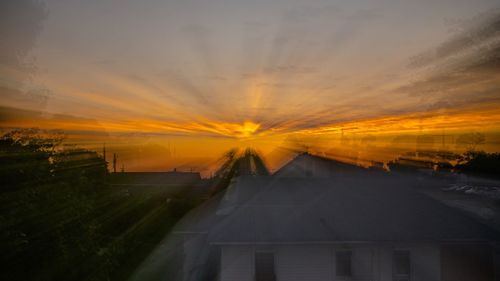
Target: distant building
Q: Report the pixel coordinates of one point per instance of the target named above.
(308, 222)
(156, 178)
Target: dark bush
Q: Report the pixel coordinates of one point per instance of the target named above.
(480, 162)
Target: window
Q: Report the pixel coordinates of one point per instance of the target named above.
(264, 266)
(343, 263)
(401, 265)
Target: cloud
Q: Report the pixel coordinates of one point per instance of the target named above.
(215, 78)
(364, 15)
(461, 71)
(195, 29)
(290, 70)
(481, 34)
(255, 25)
(306, 13)
(13, 118)
(20, 23)
(34, 98)
(105, 62)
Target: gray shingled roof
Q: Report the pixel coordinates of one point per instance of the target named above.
(306, 166)
(345, 204)
(339, 209)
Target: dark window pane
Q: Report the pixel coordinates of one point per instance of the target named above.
(264, 266)
(343, 263)
(401, 265)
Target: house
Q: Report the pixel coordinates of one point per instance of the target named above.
(321, 225)
(347, 229)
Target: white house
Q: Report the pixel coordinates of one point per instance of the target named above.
(320, 220)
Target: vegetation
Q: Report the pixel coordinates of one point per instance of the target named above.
(470, 162)
(480, 162)
(61, 220)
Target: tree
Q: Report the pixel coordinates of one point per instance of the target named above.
(26, 157)
(480, 162)
(49, 195)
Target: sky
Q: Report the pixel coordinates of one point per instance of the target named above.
(199, 77)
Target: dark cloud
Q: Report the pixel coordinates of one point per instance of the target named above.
(8, 114)
(443, 82)
(482, 33)
(463, 70)
(20, 23)
(32, 98)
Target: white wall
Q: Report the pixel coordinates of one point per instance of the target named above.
(194, 253)
(317, 262)
(425, 261)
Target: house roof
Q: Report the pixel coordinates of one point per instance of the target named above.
(306, 166)
(339, 210)
(349, 205)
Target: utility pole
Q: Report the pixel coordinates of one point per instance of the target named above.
(104, 157)
(114, 162)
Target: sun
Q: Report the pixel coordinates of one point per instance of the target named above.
(248, 128)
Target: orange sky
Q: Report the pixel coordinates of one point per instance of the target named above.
(203, 77)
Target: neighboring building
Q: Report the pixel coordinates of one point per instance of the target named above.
(156, 178)
(353, 224)
(346, 229)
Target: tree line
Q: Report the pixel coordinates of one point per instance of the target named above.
(61, 220)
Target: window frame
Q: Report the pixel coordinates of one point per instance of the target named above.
(400, 276)
(256, 252)
(337, 260)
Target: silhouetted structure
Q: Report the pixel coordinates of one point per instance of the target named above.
(316, 219)
(104, 152)
(156, 178)
(306, 165)
(480, 163)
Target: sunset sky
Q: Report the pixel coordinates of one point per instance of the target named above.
(200, 77)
